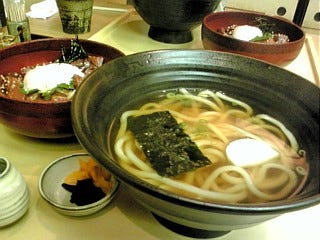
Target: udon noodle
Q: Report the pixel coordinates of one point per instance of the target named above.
(213, 120)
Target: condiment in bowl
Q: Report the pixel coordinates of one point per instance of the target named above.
(75, 185)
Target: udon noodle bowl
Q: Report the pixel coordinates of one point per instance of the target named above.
(213, 120)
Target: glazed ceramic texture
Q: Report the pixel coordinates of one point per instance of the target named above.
(171, 21)
(51, 190)
(14, 194)
(280, 54)
(132, 80)
(41, 120)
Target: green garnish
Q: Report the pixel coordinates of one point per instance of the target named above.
(46, 95)
(264, 37)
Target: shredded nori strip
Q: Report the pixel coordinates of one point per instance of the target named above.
(168, 148)
(73, 53)
(84, 192)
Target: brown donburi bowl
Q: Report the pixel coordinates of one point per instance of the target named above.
(280, 54)
(41, 120)
(126, 82)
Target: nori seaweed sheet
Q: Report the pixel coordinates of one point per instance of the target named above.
(84, 192)
(168, 148)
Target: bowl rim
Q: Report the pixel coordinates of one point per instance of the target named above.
(264, 208)
(248, 43)
(7, 165)
(74, 208)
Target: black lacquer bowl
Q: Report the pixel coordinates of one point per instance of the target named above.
(126, 81)
(171, 21)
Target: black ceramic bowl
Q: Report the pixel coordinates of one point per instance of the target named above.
(171, 21)
(126, 81)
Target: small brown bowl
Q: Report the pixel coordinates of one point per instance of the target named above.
(41, 120)
(280, 54)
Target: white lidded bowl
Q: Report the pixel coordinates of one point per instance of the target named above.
(51, 190)
(14, 194)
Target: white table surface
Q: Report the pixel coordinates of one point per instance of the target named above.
(125, 219)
